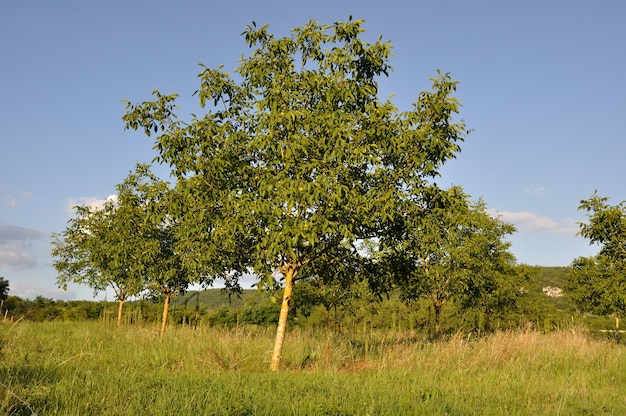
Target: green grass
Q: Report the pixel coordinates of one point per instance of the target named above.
(96, 369)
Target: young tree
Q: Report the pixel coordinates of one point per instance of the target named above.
(4, 291)
(4, 288)
(91, 252)
(494, 281)
(297, 156)
(598, 284)
(457, 251)
(167, 273)
(606, 226)
(117, 245)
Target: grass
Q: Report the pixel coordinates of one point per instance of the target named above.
(94, 368)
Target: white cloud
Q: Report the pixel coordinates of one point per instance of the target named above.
(535, 190)
(15, 247)
(92, 202)
(16, 256)
(9, 233)
(530, 222)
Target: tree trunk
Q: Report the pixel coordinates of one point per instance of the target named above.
(120, 307)
(437, 307)
(289, 274)
(488, 314)
(327, 315)
(166, 309)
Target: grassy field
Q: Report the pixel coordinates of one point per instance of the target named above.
(96, 369)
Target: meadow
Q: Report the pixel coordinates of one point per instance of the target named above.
(94, 368)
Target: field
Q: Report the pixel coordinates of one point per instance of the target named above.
(93, 368)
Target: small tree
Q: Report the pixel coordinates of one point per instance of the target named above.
(166, 273)
(494, 282)
(606, 226)
(455, 252)
(337, 284)
(4, 291)
(4, 288)
(114, 246)
(297, 156)
(598, 284)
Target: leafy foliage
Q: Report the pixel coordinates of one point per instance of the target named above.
(606, 226)
(597, 284)
(108, 246)
(4, 288)
(456, 252)
(129, 244)
(297, 159)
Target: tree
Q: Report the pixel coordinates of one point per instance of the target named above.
(297, 160)
(166, 271)
(114, 246)
(598, 284)
(606, 226)
(494, 281)
(455, 252)
(4, 288)
(4, 291)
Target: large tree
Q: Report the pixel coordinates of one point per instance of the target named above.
(598, 284)
(297, 159)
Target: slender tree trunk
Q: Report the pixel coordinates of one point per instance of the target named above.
(120, 308)
(166, 309)
(616, 323)
(289, 274)
(327, 349)
(488, 314)
(327, 315)
(437, 307)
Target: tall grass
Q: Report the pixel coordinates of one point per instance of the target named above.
(93, 368)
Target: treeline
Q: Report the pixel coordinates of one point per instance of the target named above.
(543, 307)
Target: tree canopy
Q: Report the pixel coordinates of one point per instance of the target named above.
(597, 284)
(127, 245)
(456, 252)
(4, 288)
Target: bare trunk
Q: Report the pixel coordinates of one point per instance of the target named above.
(437, 307)
(616, 323)
(327, 349)
(289, 274)
(166, 309)
(327, 311)
(120, 308)
(488, 314)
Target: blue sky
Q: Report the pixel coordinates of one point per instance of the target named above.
(541, 83)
